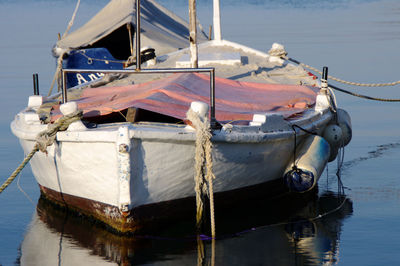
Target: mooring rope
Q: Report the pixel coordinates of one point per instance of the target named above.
(19, 168)
(56, 74)
(43, 140)
(60, 58)
(351, 83)
(23, 191)
(47, 137)
(341, 80)
(71, 22)
(203, 166)
(280, 52)
(363, 96)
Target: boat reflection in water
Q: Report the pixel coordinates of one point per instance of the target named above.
(260, 232)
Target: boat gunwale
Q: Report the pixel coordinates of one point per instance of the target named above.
(166, 131)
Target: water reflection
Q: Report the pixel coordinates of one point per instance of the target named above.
(262, 232)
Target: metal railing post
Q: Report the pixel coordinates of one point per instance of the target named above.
(213, 121)
(138, 59)
(35, 84)
(324, 74)
(64, 86)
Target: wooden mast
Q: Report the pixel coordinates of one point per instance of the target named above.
(193, 34)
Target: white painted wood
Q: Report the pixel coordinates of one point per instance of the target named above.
(217, 21)
(123, 146)
(88, 163)
(206, 59)
(35, 101)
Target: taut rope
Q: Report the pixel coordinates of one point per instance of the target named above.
(341, 80)
(71, 22)
(43, 140)
(19, 168)
(56, 74)
(279, 51)
(364, 96)
(60, 58)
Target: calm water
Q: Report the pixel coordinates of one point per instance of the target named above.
(358, 40)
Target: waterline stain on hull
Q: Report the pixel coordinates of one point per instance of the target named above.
(153, 216)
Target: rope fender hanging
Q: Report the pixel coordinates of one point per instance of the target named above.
(43, 140)
(203, 167)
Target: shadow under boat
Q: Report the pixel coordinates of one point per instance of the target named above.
(279, 231)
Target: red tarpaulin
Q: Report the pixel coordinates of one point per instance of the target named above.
(172, 96)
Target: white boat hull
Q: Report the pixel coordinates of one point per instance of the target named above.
(87, 171)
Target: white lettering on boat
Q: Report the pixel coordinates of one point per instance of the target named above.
(80, 79)
(92, 77)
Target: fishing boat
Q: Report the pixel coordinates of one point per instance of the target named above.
(217, 120)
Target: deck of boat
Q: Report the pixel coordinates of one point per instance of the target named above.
(231, 61)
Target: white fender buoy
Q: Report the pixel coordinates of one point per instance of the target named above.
(333, 135)
(339, 134)
(311, 159)
(344, 122)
